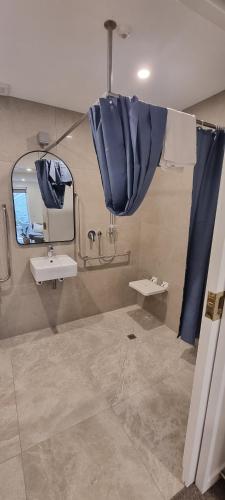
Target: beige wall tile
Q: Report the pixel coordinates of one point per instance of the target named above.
(165, 215)
(156, 235)
(25, 307)
(20, 121)
(64, 118)
(163, 251)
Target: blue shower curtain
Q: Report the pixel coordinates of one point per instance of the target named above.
(128, 137)
(206, 182)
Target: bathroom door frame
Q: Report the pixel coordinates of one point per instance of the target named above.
(212, 456)
(208, 341)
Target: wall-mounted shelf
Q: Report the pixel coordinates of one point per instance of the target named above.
(149, 287)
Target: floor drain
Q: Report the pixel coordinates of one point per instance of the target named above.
(131, 336)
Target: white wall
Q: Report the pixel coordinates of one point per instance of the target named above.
(35, 204)
(60, 224)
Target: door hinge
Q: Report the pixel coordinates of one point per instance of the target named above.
(214, 306)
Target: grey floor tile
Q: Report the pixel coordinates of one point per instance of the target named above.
(164, 344)
(217, 492)
(98, 322)
(93, 460)
(156, 421)
(127, 367)
(9, 438)
(74, 446)
(90, 339)
(80, 341)
(181, 375)
(124, 369)
(133, 319)
(66, 378)
(52, 392)
(124, 320)
(19, 340)
(11, 480)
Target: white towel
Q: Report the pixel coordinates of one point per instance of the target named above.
(179, 149)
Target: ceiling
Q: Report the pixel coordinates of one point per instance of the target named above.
(54, 51)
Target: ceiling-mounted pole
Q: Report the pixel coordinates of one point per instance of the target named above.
(109, 26)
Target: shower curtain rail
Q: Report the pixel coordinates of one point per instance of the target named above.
(206, 124)
(84, 116)
(110, 26)
(63, 136)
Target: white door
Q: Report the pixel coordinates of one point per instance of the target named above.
(197, 445)
(212, 455)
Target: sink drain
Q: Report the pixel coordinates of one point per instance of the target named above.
(131, 336)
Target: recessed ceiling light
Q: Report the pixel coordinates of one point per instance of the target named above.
(23, 180)
(29, 169)
(144, 73)
(69, 136)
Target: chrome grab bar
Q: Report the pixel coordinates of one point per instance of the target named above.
(86, 258)
(8, 257)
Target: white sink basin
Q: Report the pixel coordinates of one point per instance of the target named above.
(53, 268)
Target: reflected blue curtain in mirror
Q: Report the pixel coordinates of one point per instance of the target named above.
(206, 183)
(53, 177)
(128, 136)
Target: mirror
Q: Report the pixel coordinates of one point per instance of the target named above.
(43, 199)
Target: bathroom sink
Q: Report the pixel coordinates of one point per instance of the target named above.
(53, 268)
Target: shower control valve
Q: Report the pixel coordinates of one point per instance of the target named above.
(91, 236)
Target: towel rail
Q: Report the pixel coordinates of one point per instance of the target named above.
(8, 257)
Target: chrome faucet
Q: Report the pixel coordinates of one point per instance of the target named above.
(50, 251)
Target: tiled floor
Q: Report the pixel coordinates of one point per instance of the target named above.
(217, 492)
(87, 414)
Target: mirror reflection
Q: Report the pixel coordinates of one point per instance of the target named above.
(43, 199)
